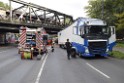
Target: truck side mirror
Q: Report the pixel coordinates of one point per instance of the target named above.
(82, 35)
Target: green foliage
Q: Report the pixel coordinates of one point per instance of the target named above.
(120, 22)
(117, 54)
(112, 11)
(94, 9)
(1, 4)
(102, 9)
(120, 25)
(4, 6)
(120, 44)
(67, 20)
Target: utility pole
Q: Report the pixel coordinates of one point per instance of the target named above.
(10, 10)
(102, 12)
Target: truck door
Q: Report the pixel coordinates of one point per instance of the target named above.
(112, 37)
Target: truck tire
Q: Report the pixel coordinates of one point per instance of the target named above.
(80, 55)
(73, 53)
(60, 46)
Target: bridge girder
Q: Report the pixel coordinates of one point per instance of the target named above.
(36, 16)
(31, 15)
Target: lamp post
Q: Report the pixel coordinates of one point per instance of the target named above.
(10, 4)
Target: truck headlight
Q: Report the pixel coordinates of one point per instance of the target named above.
(86, 50)
(107, 50)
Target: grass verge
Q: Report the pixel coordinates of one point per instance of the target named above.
(120, 44)
(117, 54)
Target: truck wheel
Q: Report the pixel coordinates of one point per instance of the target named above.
(73, 53)
(80, 55)
(60, 46)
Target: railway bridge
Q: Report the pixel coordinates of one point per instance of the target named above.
(33, 16)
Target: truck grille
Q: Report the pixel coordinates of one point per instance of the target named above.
(97, 47)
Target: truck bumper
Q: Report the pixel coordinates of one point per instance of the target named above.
(93, 55)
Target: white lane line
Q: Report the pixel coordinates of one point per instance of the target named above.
(41, 69)
(3, 51)
(97, 70)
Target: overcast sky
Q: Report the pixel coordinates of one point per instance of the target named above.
(74, 8)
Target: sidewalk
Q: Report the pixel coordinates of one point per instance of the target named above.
(119, 49)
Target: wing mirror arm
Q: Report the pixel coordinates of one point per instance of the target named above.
(82, 35)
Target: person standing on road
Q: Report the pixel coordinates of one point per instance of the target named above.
(68, 48)
(52, 48)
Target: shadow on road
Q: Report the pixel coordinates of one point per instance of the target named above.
(94, 58)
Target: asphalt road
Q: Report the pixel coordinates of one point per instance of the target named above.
(56, 68)
(15, 70)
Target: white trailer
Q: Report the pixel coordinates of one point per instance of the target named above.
(89, 37)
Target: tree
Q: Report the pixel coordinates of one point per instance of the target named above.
(102, 9)
(93, 9)
(113, 12)
(4, 6)
(1, 4)
(120, 25)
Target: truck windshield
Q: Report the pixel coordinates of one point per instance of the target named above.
(96, 30)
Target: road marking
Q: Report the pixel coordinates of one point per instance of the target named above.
(41, 69)
(97, 70)
(3, 51)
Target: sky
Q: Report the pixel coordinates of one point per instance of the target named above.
(74, 8)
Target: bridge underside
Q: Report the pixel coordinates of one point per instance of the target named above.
(12, 27)
(15, 29)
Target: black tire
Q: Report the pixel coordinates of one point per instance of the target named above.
(73, 53)
(60, 46)
(80, 55)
